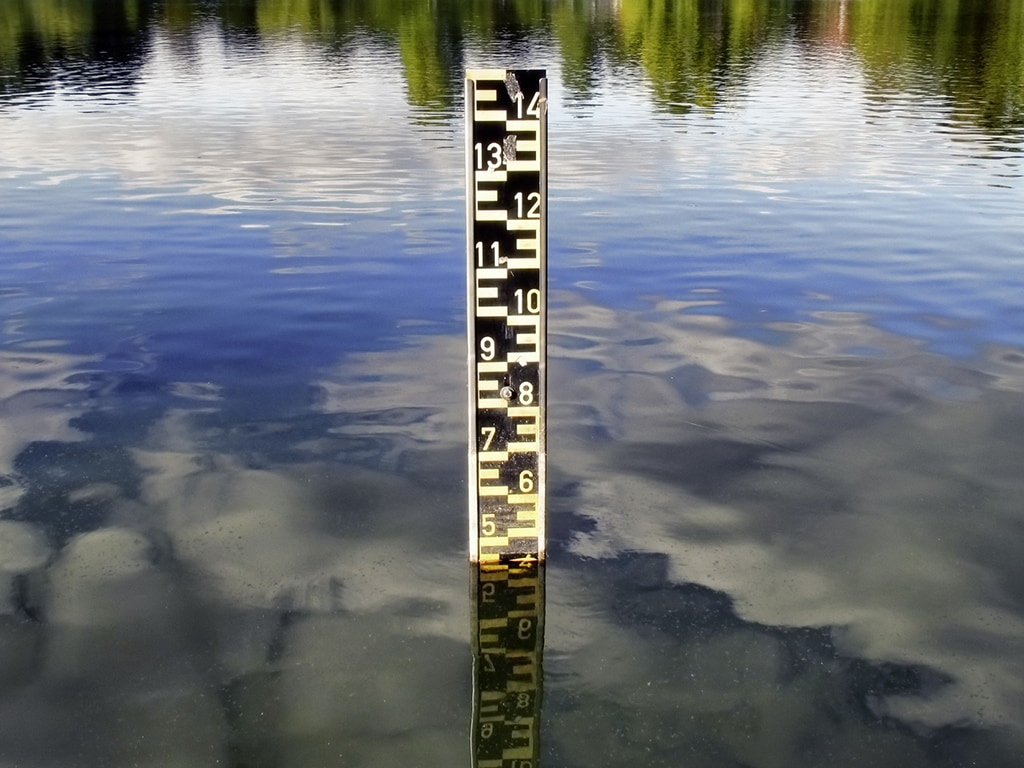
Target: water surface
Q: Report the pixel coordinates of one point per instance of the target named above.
(786, 362)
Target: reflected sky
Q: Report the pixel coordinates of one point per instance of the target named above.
(786, 366)
(857, 495)
(759, 551)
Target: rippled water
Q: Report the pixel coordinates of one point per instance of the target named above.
(787, 386)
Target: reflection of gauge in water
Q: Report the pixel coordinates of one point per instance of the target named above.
(508, 643)
(506, 223)
(506, 226)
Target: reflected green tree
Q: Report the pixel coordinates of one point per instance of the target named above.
(587, 35)
(679, 57)
(36, 36)
(428, 46)
(693, 53)
(969, 51)
(181, 17)
(47, 26)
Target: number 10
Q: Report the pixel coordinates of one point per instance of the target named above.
(532, 301)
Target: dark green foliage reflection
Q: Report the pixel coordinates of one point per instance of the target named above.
(693, 54)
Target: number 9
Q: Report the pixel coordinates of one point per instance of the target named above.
(487, 348)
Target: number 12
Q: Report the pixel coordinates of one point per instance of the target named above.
(534, 199)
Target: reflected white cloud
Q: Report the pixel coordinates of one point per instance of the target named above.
(113, 675)
(679, 682)
(169, 132)
(23, 550)
(373, 384)
(37, 402)
(751, 540)
(815, 488)
(227, 610)
(872, 494)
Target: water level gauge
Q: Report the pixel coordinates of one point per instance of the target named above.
(506, 224)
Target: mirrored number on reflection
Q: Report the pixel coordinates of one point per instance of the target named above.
(524, 629)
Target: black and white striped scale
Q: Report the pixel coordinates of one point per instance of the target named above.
(506, 252)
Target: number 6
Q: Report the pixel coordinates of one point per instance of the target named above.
(525, 481)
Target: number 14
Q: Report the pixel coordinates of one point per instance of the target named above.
(533, 110)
